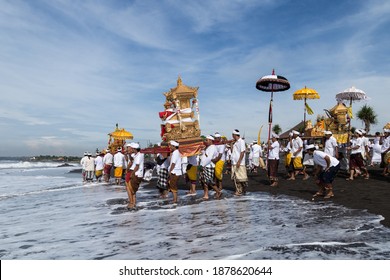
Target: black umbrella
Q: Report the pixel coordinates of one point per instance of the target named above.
(272, 83)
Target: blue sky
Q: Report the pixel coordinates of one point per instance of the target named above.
(71, 70)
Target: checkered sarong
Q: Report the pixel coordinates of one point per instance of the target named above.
(162, 179)
(207, 176)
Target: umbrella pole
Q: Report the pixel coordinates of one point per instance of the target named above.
(269, 123)
(349, 123)
(349, 130)
(304, 117)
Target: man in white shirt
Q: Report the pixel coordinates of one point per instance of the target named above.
(239, 175)
(89, 167)
(137, 173)
(119, 164)
(296, 144)
(385, 151)
(99, 166)
(207, 160)
(366, 146)
(356, 162)
(82, 163)
(257, 153)
(107, 161)
(273, 160)
(326, 168)
(331, 148)
(174, 171)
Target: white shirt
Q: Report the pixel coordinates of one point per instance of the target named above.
(296, 144)
(274, 151)
(119, 160)
(108, 158)
(176, 159)
(99, 163)
(358, 142)
(319, 159)
(89, 164)
(238, 148)
(138, 160)
(366, 145)
(82, 161)
(366, 141)
(209, 154)
(330, 146)
(256, 150)
(221, 150)
(385, 144)
(228, 154)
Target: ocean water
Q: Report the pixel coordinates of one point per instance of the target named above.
(46, 212)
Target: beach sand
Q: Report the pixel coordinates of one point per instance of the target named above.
(372, 195)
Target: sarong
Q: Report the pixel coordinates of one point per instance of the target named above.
(98, 173)
(118, 172)
(107, 169)
(287, 160)
(219, 169)
(296, 164)
(192, 173)
(128, 176)
(273, 169)
(239, 174)
(240, 178)
(207, 176)
(135, 181)
(162, 179)
(356, 161)
(328, 177)
(387, 158)
(172, 184)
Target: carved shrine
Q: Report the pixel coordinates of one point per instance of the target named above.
(181, 115)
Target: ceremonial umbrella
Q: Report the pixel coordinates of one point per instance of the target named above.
(272, 83)
(351, 94)
(306, 93)
(121, 134)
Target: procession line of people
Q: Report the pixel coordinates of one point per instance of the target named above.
(207, 169)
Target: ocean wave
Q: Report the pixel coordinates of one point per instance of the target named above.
(27, 165)
(37, 192)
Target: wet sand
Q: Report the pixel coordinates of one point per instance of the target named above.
(372, 195)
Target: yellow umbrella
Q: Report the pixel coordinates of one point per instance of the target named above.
(306, 93)
(121, 134)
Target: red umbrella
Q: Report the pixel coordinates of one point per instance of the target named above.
(272, 83)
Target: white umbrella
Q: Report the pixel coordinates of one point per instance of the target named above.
(351, 94)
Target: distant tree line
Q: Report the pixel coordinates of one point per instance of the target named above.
(56, 158)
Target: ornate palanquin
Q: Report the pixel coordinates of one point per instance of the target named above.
(336, 121)
(179, 120)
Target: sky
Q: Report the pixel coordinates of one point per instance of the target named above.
(71, 70)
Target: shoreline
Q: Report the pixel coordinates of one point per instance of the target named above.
(372, 195)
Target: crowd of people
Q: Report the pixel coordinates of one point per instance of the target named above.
(236, 158)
